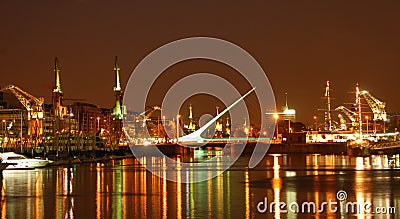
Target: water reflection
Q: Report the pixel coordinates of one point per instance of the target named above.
(124, 189)
(277, 186)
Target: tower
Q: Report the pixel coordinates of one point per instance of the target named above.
(192, 126)
(119, 110)
(227, 127)
(57, 96)
(218, 125)
(245, 127)
(288, 115)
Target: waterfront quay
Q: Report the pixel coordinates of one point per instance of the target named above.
(93, 153)
(274, 148)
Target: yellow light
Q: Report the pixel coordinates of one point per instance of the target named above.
(276, 116)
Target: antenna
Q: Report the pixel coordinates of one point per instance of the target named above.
(286, 100)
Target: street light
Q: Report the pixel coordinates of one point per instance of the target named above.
(315, 122)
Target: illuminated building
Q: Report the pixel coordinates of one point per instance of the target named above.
(90, 117)
(288, 114)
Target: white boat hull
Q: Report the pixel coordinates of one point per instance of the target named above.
(27, 164)
(17, 161)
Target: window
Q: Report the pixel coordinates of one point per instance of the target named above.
(15, 158)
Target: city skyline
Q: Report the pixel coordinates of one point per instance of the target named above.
(346, 43)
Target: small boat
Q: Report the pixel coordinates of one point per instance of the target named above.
(18, 161)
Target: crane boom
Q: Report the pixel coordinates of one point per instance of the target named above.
(34, 106)
(146, 114)
(350, 114)
(30, 102)
(378, 107)
(151, 112)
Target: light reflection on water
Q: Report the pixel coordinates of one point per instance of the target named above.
(124, 189)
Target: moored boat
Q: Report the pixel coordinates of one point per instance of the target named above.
(18, 161)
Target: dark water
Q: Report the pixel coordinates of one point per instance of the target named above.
(124, 189)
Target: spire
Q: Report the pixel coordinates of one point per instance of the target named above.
(227, 127)
(116, 69)
(192, 126)
(57, 96)
(286, 102)
(57, 87)
(119, 109)
(190, 112)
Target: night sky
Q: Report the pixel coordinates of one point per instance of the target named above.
(299, 44)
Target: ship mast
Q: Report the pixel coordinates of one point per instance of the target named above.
(328, 117)
(358, 105)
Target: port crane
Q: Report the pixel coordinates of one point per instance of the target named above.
(146, 115)
(377, 106)
(350, 114)
(33, 105)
